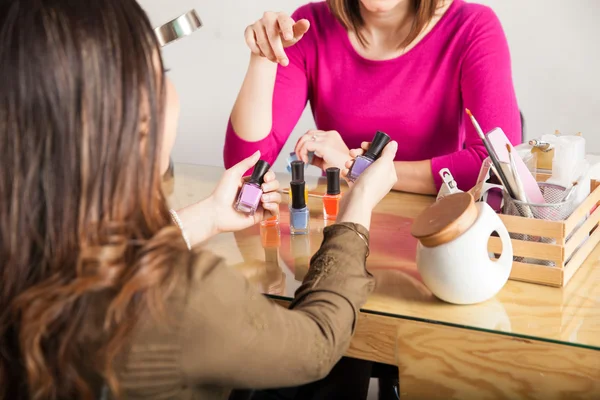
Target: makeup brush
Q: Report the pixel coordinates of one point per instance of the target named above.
(516, 178)
(569, 192)
(492, 155)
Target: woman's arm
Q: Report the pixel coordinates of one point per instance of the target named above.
(233, 336)
(412, 176)
(272, 97)
(488, 91)
(216, 214)
(252, 114)
(415, 177)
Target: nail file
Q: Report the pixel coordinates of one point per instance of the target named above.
(498, 141)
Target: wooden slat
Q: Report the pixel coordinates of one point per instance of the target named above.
(582, 232)
(580, 256)
(581, 211)
(535, 227)
(540, 274)
(522, 248)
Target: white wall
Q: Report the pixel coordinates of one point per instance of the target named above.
(554, 44)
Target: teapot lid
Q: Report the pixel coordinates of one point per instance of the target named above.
(445, 220)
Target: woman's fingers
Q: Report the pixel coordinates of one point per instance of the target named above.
(273, 35)
(300, 28)
(344, 173)
(270, 35)
(308, 147)
(365, 145)
(310, 135)
(271, 186)
(263, 43)
(250, 37)
(269, 176)
(300, 149)
(286, 26)
(240, 168)
(273, 197)
(356, 152)
(390, 150)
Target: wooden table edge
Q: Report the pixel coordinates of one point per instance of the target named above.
(441, 361)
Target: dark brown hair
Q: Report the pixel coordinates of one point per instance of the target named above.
(348, 13)
(86, 239)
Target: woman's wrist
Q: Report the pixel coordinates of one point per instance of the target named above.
(355, 209)
(417, 177)
(263, 63)
(199, 221)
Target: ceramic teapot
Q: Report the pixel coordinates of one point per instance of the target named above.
(452, 253)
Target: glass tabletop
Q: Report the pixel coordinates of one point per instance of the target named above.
(275, 263)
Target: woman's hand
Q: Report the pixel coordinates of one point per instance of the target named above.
(227, 219)
(270, 35)
(216, 214)
(328, 146)
(370, 188)
(417, 176)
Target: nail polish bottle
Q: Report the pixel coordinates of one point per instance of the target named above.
(298, 176)
(363, 162)
(301, 253)
(331, 200)
(249, 197)
(293, 157)
(299, 215)
(270, 236)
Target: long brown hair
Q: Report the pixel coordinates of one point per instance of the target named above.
(348, 13)
(86, 239)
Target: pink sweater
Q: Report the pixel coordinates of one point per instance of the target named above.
(418, 98)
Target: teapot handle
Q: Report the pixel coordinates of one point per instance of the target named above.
(506, 258)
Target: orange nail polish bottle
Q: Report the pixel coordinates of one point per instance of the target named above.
(331, 200)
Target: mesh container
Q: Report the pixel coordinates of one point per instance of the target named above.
(553, 210)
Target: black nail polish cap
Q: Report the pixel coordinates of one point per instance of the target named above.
(298, 200)
(333, 181)
(297, 171)
(260, 169)
(379, 142)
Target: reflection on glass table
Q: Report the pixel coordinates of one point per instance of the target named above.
(568, 316)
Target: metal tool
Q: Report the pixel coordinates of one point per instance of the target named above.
(178, 28)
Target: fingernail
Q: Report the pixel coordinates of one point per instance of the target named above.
(285, 62)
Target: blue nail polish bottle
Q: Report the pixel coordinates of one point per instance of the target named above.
(299, 214)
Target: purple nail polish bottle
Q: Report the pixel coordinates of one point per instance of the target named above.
(251, 192)
(363, 162)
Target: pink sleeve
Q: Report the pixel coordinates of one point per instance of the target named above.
(289, 100)
(487, 90)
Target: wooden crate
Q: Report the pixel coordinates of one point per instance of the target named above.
(567, 255)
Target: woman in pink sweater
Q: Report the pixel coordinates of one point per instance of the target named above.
(408, 68)
(405, 67)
